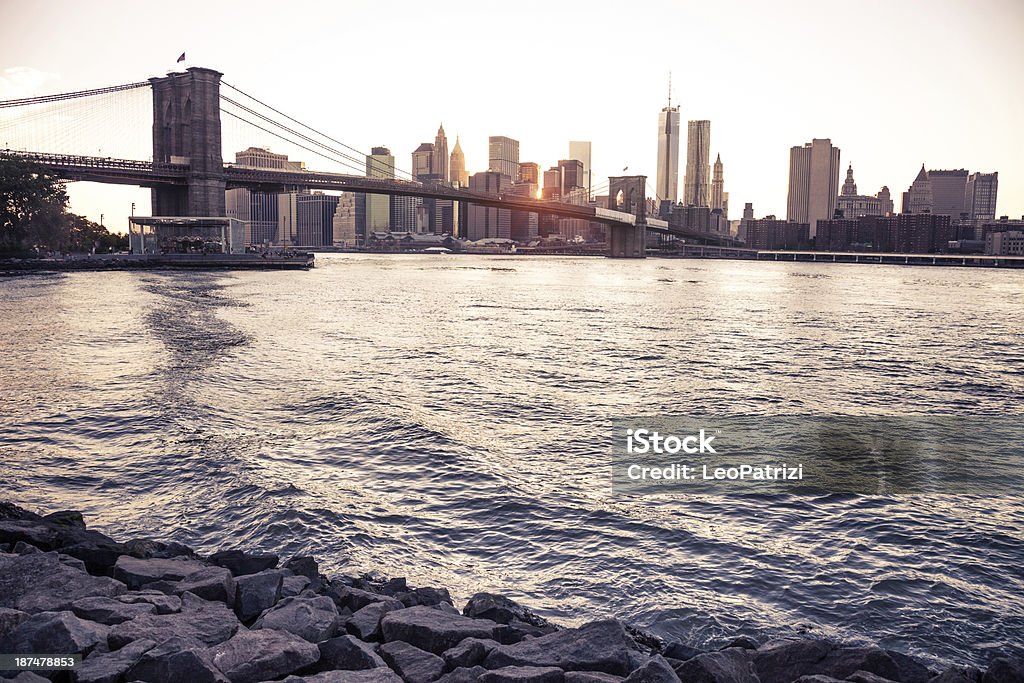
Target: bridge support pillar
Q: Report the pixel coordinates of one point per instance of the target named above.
(627, 241)
(186, 130)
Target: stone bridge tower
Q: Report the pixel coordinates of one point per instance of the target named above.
(628, 194)
(186, 129)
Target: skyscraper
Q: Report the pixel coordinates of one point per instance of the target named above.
(379, 164)
(580, 149)
(486, 221)
(529, 172)
(948, 189)
(813, 183)
(572, 174)
(698, 154)
(980, 196)
(423, 163)
(667, 187)
(503, 155)
(440, 160)
(919, 197)
(457, 170)
(718, 186)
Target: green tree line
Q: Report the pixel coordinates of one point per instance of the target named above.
(34, 217)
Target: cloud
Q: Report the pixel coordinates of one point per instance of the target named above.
(17, 82)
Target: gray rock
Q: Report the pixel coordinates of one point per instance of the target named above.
(22, 548)
(1005, 670)
(958, 674)
(911, 670)
(53, 633)
(867, 677)
(678, 650)
(590, 677)
(136, 573)
(41, 583)
(365, 622)
(175, 660)
(26, 677)
(411, 663)
(110, 611)
(433, 630)
(314, 619)
(500, 609)
(304, 565)
(463, 675)
(144, 548)
(468, 653)
(356, 599)
(109, 667)
(524, 674)
(425, 596)
(733, 665)
(251, 656)
(381, 675)
(597, 646)
(782, 661)
(293, 585)
(9, 619)
(818, 678)
(165, 604)
(242, 563)
(72, 562)
(656, 670)
(742, 642)
(257, 592)
(209, 583)
(199, 621)
(349, 653)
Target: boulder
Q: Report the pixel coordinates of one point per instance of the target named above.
(110, 667)
(199, 622)
(958, 674)
(500, 609)
(590, 677)
(656, 670)
(264, 654)
(866, 677)
(733, 665)
(524, 674)
(313, 619)
(380, 675)
(468, 653)
(22, 548)
(40, 582)
(1005, 670)
(742, 642)
(165, 604)
(781, 661)
(433, 630)
(136, 573)
(365, 622)
(110, 611)
(26, 677)
(173, 661)
(9, 619)
(241, 563)
(293, 585)
(678, 650)
(910, 670)
(425, 596)
(356, 599)
(349, 653)
(597, 646)
(304, 565)
(463, 675)
(209, 583)
(53, 633)
(411, 663)
(256, 592)
(144, 548)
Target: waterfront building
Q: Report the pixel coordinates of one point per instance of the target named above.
(667, 177)
(344, 222)
(770, 233)
(1005, 243)
(306, 218)
(503, 156)
(261, 157)
(258, 210)
(379, 164)
(980, 196)
(948, 190)
(698, 153)
(457, 175)
(486, 221)
(524, 224)
(580, 149)
(813, 182)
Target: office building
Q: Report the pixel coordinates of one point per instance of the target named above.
(503, 156)
(554, 183)
(258, 210)
(344, 223)
(581, 149)
(306, 218)
(813, 182)
(919, 198)
(524, 224)
(667, 177)
(572, 175)
(698, 153)
(948, 190)
(980, 196)
(440, 160)
(486, 221)
(718, 195)
(457, 175)
(855, 205)
(1005, 243)
(770, 233)
(423, 161)
(379, 164)
(529, 172)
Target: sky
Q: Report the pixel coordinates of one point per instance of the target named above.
(893, 84)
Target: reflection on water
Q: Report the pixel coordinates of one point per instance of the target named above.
(447, 419)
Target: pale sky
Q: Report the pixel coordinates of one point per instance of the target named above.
(893, 83)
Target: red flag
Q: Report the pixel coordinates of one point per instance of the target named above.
(182, 57)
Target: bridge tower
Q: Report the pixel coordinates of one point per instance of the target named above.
(628, 194)
(186, 129)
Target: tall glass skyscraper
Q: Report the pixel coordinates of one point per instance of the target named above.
(698, 154)
(668, 154)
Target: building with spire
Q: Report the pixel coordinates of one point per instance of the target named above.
(919, 198)
(698, 154)
(667, 187)
(457, 166)
(718, 187)
(439, 166)
(855, 205)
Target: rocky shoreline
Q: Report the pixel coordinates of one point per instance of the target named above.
(144, 610)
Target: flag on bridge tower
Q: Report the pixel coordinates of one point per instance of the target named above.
(181, 58)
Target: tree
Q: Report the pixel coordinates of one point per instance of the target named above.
(32, 205)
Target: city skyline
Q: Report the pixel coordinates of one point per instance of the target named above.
(765, 67)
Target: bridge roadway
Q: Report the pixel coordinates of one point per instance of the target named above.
(150, 174)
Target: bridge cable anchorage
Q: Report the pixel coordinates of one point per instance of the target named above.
(292, 142)
(43, 99)
(289, 130)
(278, 111)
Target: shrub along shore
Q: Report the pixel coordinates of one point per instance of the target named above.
(145, 610)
